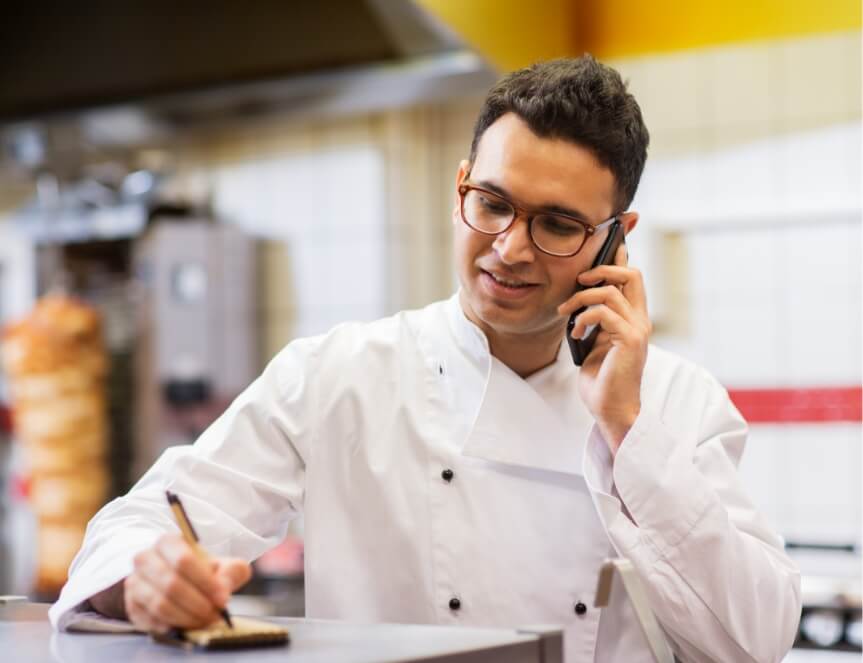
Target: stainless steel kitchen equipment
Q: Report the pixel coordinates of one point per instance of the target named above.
(832, 598)
(197, 344)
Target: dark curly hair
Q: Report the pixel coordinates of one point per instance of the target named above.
(580, 100)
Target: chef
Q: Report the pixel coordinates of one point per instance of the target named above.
(453, 465)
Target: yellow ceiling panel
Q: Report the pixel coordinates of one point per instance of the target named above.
(513, 33)
(616, 28)
(510, 33)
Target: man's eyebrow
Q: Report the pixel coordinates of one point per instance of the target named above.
(551, 209)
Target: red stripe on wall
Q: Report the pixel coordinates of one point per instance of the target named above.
(773, 406)
(5, 419)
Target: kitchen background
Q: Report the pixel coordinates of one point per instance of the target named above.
(212, 215)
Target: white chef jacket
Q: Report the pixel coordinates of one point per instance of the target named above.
(355, 428)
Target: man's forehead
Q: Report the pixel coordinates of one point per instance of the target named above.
(543, 171)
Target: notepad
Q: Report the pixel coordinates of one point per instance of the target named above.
(246, 633)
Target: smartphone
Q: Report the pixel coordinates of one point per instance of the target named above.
(581, 347)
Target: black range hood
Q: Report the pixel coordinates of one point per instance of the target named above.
(60, 57)
(105, 73)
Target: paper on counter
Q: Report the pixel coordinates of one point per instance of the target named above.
(88, 621)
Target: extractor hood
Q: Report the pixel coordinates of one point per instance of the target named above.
(107, 73)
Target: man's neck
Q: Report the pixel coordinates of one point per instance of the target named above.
(525, 354)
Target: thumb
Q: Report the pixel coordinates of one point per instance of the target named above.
(233, 572)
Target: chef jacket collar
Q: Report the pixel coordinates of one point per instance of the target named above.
(470, 339)
(473, 342)
(514, 424)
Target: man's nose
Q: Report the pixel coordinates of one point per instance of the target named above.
(514, 245)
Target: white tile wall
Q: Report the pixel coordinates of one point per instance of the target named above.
(778, 306)
(817, 78)
(791, 176)
(743, 84)
(781, 307)
(362, 206)
(765, 471)
(821, 169)
(762, 175)
(823, 461)
(327, 204)
(669, 89)
(799, 477)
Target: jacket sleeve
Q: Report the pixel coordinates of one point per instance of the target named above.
(241, 482)
(716, 574)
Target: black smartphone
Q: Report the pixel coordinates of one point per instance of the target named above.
(581, 347)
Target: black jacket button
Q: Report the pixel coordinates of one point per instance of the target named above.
(580, 608)
(454, 604)
(447, 475)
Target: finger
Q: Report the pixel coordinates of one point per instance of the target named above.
(133, 611)
(142, 620)
(635, 292)
(613, 326)
(630, 279)
(608, 295)
(611, 274)
(154, 569)
(234, 572)
(137, 615)
(136, 611)
(600, 348)
(603, 316)
(162, 608)
(621, 257)
(180, 556)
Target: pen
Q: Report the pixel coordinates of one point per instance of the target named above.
(191, 537)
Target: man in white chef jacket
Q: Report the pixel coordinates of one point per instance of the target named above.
(454, 466)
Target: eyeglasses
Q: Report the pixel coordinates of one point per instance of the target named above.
(557, 235)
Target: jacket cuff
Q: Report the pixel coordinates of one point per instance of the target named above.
(98, 572)
(656, 477)
(597, 468)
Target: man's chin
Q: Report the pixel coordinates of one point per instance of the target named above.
(507, 318)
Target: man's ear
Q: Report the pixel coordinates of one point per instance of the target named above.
(461, 175)
(628, 220)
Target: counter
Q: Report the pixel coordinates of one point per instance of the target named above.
(26, 634)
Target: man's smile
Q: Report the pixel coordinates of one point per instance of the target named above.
(508, 279)
(501, 284)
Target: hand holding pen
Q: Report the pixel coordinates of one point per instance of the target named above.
(174, 585)
(191, 538)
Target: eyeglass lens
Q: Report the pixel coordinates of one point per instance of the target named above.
(490, 214)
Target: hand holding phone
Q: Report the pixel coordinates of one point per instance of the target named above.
(581, 347)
